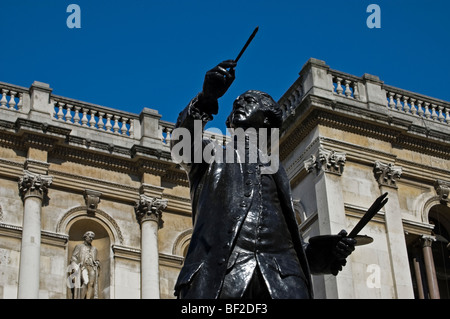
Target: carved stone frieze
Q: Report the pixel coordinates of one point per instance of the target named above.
(150, 208)
(329, 161)
(32, 184)
(387, 174)
(442, 190)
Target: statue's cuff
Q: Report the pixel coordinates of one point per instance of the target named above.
(195, 111)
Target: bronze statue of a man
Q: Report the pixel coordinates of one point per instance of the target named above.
(245, 241)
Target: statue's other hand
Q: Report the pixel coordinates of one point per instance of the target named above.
(344, 247)
(218, 80)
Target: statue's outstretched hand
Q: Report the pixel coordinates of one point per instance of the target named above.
(344, 247)
(218, 80)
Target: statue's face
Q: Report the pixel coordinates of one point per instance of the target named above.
(89, 237)
(247, 112)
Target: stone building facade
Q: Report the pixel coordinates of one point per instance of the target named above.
(68, 166)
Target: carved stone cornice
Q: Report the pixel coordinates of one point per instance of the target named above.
(153, 167)
(442, 190)
(32, 184)
(327, 160)
(92, 199)
(38, 141)
(150, 208)
(387, 174)
(315, 111)
(178, 177)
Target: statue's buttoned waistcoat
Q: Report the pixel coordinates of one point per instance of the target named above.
(221, 195)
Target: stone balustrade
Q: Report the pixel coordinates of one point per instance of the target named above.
(418, 105)
(12, 96)
(345, 85)
(93, 116)
(367, 92)
(316, 78)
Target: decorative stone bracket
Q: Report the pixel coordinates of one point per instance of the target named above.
(387, 174)
(92, 199)
(32, 184)
(328, 160)
(149, 208)
(443, 191)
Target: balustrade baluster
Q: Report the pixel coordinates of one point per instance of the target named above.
(92, 121)
(398, 104)
(131, 129)
(405, 104)
(60, 113)
(20, 103)
(413, 107)
(355, 91)
(427, 110)
(76, 117)
(390, 98)
(108, 125)
(100, 123)
(419, 108)
(347, 92)
(84, 119)
(69, 113)
(12, 101)
(441, 116)
(4, 101)
(339, 88)
(433, 112)
(116, 124)
(124, 126)
(447, 115)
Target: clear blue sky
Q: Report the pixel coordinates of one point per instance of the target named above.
(154, 53)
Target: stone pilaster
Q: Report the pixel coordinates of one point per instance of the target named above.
(387, 176)
(149, 215)
(33, 190)
(328, 165)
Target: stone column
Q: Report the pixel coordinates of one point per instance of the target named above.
(418, 273)
(328, 166)
(33, 190)
(427, 241)
(387, 176)
(148, 213)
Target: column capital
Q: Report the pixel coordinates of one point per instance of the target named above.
(442, 190)
(150, 208)
(427, 240)
(329, 161)
(387, 174)
(32, 184)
